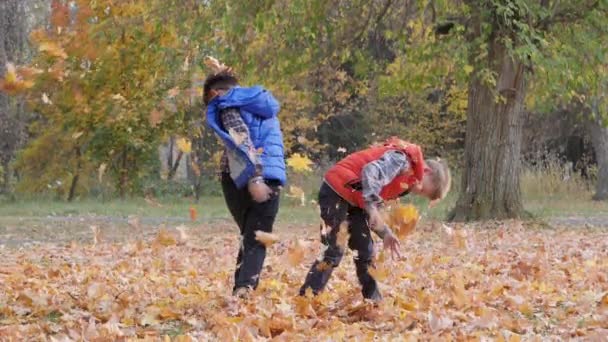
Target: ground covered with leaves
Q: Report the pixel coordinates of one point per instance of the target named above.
(503, 281)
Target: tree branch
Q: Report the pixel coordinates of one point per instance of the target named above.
(566, 14)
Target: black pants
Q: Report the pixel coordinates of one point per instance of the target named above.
(334, 211)
(250, 216)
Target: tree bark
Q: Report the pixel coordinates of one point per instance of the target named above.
(123, 175)
(173, 168)
(599, 139)
(76, 176)
(12, 50)
(490, 182)
(170, 154)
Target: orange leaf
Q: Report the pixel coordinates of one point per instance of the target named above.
(342, 236)
(267, 239)
(193, 214)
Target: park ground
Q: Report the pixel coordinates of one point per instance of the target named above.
(156, 269)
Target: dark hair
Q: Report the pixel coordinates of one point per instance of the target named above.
(222, 80)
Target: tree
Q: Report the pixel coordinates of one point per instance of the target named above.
(504, 38)
(124, 72)
(573, 73)
(12, 50)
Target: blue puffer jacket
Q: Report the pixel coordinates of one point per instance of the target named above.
(259, 111)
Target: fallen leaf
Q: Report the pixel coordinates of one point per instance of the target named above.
(193, 214)
(165, 238)
(267, 239)
(183, 233)
(342, 236)
(439, 322)
(296, 253)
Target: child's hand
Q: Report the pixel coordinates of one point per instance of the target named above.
(375, 219)
(260, 192)
(392, 244)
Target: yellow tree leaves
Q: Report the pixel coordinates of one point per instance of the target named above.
(52, 49)
(184, 145)
(17, 81)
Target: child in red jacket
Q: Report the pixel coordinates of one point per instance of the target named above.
(352, 191)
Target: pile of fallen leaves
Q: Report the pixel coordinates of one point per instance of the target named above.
(505, 282)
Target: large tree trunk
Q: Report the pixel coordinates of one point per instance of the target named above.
(12, 50)
(490, 182)
(599, 140)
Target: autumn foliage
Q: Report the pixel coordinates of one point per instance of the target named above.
(506, 283)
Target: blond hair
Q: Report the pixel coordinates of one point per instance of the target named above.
(440, 177)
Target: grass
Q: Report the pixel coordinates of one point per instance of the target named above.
(174, 209)
(549, 191)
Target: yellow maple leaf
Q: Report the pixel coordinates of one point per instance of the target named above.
(184, 145)
(402, 219)
(267, 239)
(405, 304)
(299, 163)
(303, 304)
(379, 272)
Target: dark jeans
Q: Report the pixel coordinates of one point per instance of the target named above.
(250, 216)
(334, 211)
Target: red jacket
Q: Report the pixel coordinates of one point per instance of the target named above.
(345, 177)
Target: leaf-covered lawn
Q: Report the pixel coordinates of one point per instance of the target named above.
(504, 282)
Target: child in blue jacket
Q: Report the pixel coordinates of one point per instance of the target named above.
(252, 166)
